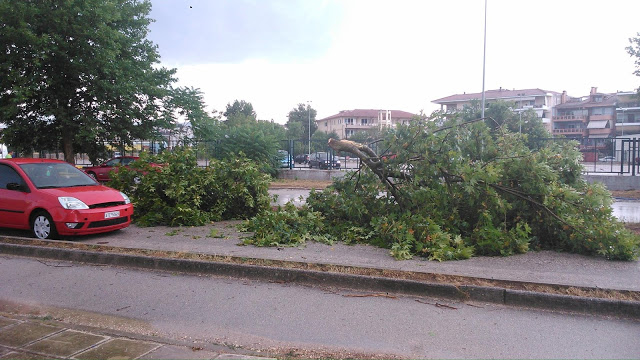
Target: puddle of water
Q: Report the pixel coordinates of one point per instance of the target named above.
(624, 210)
(627, 211)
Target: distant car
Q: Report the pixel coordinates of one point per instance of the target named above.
(323, 160)
(301, 159)
(52, 197)
(607, 158)
(283, 156)
(101, 172)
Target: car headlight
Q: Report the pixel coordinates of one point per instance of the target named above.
(71, 203)
(126, 198)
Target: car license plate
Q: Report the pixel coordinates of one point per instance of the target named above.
(111, 214)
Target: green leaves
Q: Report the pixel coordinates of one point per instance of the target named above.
(468, 188)
(180, 193)
(286, 226)
(79, 73)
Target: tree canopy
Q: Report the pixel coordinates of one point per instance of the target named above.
(634, 51)
(298, 122)
(239, 113)
(79, 73)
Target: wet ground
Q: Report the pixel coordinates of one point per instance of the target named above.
(624, 210)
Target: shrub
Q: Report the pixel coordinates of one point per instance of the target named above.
(181, 193)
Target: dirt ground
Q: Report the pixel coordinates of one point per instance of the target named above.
(299, 184)
(627, 194)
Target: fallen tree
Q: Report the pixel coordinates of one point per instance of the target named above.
(450, 187)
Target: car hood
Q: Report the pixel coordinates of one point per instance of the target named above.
(90, 195)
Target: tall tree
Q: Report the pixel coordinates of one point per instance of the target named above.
(300, 115)
(187, 105)
(239, 113)
(634, 51)
(77, 73)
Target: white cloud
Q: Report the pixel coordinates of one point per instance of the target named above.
(404, 54)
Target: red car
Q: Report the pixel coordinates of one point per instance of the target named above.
(52, 197)
(101, 172)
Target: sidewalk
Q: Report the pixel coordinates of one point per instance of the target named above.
(34, 338)
(546, 267)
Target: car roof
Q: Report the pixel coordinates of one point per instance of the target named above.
(19, 161)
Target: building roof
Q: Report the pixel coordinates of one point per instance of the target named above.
(369, 113)
(587, 102)
(494, 95)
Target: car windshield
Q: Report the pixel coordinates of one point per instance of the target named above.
(56, 175)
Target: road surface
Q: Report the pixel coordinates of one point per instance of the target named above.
(280, 317)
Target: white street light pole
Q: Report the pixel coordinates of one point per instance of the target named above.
(309, 112)
(484, 54)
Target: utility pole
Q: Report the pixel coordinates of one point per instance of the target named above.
(309, 113)
(484, 54)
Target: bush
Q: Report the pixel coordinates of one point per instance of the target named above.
(181, 193)
(286, 226)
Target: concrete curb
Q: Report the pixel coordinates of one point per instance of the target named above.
(539, 300)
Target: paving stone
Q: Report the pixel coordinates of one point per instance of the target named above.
(19, 355)
(240, 357)
(118, 349)
(5, 322)
(4, 351)
(24, 333)
(179, 352)
(66, 343)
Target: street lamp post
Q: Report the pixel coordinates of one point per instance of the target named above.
(484, 55)
(309, 130)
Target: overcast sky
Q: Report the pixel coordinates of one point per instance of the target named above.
(397, 55)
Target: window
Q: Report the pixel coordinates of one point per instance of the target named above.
(348, 121)
(364, 121)
(113, 162)
(348, 133)
(602, 111)
(8, 175)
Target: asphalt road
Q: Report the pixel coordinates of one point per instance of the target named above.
(267, 316)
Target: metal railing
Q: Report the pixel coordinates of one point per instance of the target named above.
(607, 156)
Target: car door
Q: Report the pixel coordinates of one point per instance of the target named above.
(102, 173)
(14, 203)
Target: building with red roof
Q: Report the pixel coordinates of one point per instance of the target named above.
(348, 122)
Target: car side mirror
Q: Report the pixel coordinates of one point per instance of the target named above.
(17, 187)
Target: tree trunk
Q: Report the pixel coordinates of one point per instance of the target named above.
(373, 162)
(67, 148)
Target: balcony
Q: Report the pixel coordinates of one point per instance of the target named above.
(582, 118)
(606, 131)
(623, 129)
(574, 131)
(361, 126)
(602, 117)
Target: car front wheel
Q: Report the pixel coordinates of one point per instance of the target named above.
(43, 227)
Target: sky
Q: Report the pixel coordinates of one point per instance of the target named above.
(392, 55)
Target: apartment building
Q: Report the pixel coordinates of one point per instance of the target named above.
(592, 117)
(541, 101)
(348, 122)
(627, 115)
(599, 115)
